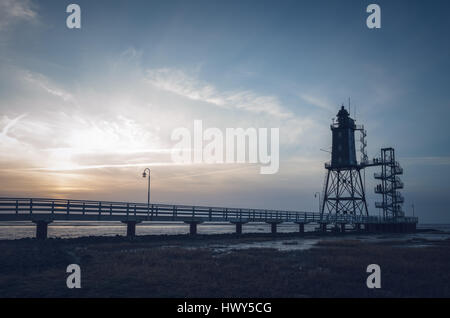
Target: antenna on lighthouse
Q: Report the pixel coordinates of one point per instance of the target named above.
(349, 109)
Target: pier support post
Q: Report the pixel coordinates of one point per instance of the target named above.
(343, 227)
(192, 226)
(273, 227)
(358, 227)
(301, 227)
(41, 229)
(323, 227)
(131, 228)
(238, 227)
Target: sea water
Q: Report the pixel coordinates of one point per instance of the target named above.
(62, 229)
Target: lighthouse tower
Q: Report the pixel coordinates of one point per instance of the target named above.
(343, 187)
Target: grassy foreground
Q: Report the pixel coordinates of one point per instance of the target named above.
(116, 267)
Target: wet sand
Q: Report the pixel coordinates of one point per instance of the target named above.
(224, 265)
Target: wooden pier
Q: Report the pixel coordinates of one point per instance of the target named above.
(44, 211)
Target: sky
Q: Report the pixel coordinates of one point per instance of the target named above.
(84, 111)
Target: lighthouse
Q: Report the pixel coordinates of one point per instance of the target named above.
(343, 154)
(343, 186)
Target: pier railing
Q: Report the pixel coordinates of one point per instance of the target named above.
(62, 209)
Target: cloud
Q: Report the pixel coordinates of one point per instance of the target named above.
(94, 138)
(10, 124)
(244, 103)
(44, 83)
(134, 122)
(102, 166)
(178, 82)
(317, 101)
(51, 133)
(12, 11)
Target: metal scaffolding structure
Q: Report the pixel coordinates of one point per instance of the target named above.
(390, 184)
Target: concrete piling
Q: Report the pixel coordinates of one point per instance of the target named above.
(273, 227)
(41, 229)
(238, 227)
(301, 227)
(192, 227)
(131, 228)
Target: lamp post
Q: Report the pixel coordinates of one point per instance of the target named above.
(412, 205)
(315, 195)
(144, 175)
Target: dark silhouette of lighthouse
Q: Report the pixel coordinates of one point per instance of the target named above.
(343, 188)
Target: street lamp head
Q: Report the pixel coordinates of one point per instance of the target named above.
(144, 174)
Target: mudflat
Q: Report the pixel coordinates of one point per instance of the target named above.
(184, 266)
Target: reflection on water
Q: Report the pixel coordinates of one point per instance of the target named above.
(281, 245)
(17, 230)
(296, 244)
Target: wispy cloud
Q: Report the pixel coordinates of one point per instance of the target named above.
(102, 166)
(130, 132)
(12, 11)
(71, 141)
(317, 101)
(123, 124)
(44, 83)
(180, 83)
(10, 123)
